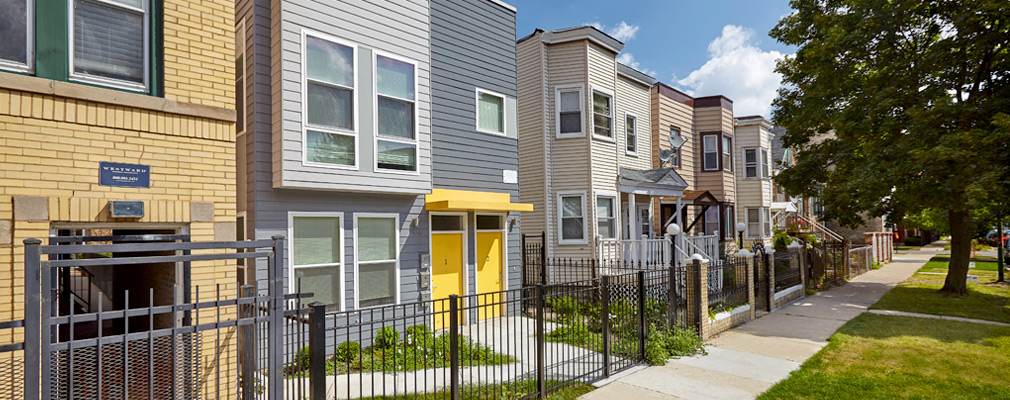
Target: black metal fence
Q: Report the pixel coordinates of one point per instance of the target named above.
(787, 269)
(727, 284)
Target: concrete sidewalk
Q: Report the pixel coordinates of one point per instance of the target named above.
(747, 360)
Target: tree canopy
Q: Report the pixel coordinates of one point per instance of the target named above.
(899, 107)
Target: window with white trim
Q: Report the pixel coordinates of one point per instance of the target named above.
(711, 220)
(571, 213)
(377, 259)
(17, 28)
(606, 217)
(490, 112)
(765, 164)
(750, 163)
(603, 114)
(569, 112)
(316, 259)
(109, 43)
(631, 130)
(330, 134)
(727, 154)
(396, 114)
(710, 150)
(730, 226)
(754, 222)
(767, 222)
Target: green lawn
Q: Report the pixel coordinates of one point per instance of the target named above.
(890, 357)
(986, 300)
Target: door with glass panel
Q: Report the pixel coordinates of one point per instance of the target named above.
(448, 232)
(378, 253)
(316, 251)
(490, 257)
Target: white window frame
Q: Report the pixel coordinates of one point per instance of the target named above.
(560, 211)
(615, 208)
(705, 150)
(240, 30)
(357, 283)
(108, 82)
(764, 222)
(557, 111)
(632, 116)
(29, 65)
(354, 103)
(756, 164)
(613, 114)
(726, 147)
(476, 112)
(766, 212)
(292, 283)
(504, 248)
(766, 166)
(465, 222)
(375, 117)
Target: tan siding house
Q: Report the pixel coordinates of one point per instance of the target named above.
(753, 170)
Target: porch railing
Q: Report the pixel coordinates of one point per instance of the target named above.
(648, 252)
(706, 245)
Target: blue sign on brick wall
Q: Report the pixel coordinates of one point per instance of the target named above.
(125, 175)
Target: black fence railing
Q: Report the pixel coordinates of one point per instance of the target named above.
(787, 269)
(727, 284)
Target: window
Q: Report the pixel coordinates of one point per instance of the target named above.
(377, 245)
(767, 221)
(109, 43)
(631, 128)
(754, 222)
(765, 164)
(711, 220)
(727, 151)
(17, 28)
(571, 214)
(445, 223)
(603, 114)
(490, 112)
(330, 136)
(645, 222)
(675, 161)
(395, 114)
(239, 78)
(730, 226)
(606, 217)
(750, 163)
(316, 249)
(569, 115)
(489, 222)
(710, 147)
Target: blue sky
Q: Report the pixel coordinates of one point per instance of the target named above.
(705, 47)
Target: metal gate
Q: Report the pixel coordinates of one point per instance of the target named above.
(762, 279)
(220, 341)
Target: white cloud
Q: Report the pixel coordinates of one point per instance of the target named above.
(629, 60)
(623, 32)
(595, 24)
(737, 68)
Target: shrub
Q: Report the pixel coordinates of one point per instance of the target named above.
(347, 351)
(781, 240)
(564, 307)
(302, 358)
(386, 337)
(655, 348)
(419, 335)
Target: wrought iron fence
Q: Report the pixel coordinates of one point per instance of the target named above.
(12, 360)
(727, 284)
(787, 269)
(860, 261)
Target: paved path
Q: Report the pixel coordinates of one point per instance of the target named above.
(933, 316)
(747, 360)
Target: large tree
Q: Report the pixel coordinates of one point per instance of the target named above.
(897, 107)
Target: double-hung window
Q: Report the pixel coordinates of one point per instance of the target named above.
(109, 43)
(754, 223)
(17, 29)
(490, 112)
(631, 133)
(606, 217)
(751, 163)
(330, 136)
(568, 102)
(711, 220)
(395, 114)
(571, 214)
(727, 151)
(767, 221)
(377, 243)
(730, 226)
(765, 164)
(710, 150)
(603, 114)
(316, 249)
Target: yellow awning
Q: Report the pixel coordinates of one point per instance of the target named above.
(465, 200)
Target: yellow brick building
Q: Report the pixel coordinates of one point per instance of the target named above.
(159, 90)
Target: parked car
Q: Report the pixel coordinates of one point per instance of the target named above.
(992, 238)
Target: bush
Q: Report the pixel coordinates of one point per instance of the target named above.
(419, 335)
(781, 240)
(913, 241)
(347, 351)
(386, 337)
(663, 343)
(302, 358)
(564, 307)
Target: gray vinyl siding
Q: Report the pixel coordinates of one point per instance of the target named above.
(473, 46)
(398, 28)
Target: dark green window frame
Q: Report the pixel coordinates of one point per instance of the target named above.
(52, 45)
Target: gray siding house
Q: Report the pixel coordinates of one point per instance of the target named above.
(351, 113)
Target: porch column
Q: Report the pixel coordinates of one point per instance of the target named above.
(633, 213)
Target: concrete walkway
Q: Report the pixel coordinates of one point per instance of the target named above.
(747, 360)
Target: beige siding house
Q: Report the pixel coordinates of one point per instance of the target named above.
(584, 142)
(753, 168)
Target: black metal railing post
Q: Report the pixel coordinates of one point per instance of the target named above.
(247, 337)
(275, 344)
(605, 323)
(525, 259)
(454, 347)
(671, 296)
(641, 315)
(699, 311)
(541, 348)
(317, 351)
(34, 329)
(543, 258)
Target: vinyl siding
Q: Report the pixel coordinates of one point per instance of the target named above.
(633, 97)
(400, 29)
(667, 112)
(533, 168)
(751, 193)
(721, 184)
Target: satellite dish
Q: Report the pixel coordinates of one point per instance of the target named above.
(665, 155)
(676, 140)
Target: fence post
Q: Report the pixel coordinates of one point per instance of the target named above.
(525, 258)
(248, 339)
(454, 347)
(671, 296)
(846, 246)
(699, 310)
(641, 315)
(541, 356)
(275, 357)
(751, 282)
(317, 351)
(605, 323)
(34, 345)
(543, 257)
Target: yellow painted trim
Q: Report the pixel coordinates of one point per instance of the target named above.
(464, 200)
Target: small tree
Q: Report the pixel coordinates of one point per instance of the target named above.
(897, 107)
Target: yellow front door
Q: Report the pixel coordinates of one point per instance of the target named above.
(446, 272)
(489, 273)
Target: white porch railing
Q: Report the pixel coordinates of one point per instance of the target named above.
(651, 253)
(706, 245)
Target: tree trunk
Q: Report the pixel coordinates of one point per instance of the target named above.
(960, 253)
